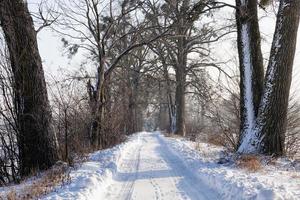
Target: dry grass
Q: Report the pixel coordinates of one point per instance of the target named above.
(11, 195)
(249, 162)
(57, 175)
(215, 140)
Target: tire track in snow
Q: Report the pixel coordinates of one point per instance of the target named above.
(127, 188)
(153, 170)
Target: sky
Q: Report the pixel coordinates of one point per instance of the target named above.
(51, 47)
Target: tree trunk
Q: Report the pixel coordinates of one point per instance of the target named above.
(180, 98)
(171, 110)
(36, 139)
(251, 67)
(133, 80)
(131, 115)
(181, 79)
(180, 103)
(66, 134)
(93, 108)
(133, 105)
(96, 96)
(272, 120)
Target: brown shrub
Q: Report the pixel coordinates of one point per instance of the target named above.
(215, 140)
(249, 162)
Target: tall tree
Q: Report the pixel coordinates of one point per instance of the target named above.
(36, 139)
(272, 115)
(251, 65)
(186, 39)
(267, 134)
(96, 28)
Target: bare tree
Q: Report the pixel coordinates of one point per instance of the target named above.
(186, 39)
(87, 26)
(9, 162)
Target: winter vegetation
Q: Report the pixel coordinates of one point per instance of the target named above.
(154, 99)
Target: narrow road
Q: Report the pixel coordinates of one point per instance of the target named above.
(154, 171)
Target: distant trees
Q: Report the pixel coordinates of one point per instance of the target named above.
(184, 39)
(107, 35)
(37, 144)
(267, 133)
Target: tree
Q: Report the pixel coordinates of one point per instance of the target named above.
(185, 39)
(251, 64)
(36, 138)
(8, 133)
(272, 120)
(270, 126)
(97, 31)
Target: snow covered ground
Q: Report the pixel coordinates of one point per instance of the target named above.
(152, 166)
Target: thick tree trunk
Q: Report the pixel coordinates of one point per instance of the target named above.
(181, 77)
(180, 95)
(272, 120)
(251, 68)
(37, 141)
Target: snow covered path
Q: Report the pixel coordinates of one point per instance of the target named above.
(152, 166)
(152, 170)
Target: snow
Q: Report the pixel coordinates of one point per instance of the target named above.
(157, 172)
(235, 183)
(92, 178)
(152, 166)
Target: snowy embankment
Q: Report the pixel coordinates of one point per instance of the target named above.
(278, 180)
(91, 179)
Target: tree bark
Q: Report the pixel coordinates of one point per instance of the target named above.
(181, 77)
(180, 96)
(36, 139)
(251, 64)
(272, 120)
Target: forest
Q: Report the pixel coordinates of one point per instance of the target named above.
(221, 72)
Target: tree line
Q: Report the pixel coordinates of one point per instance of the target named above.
(148, 68)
